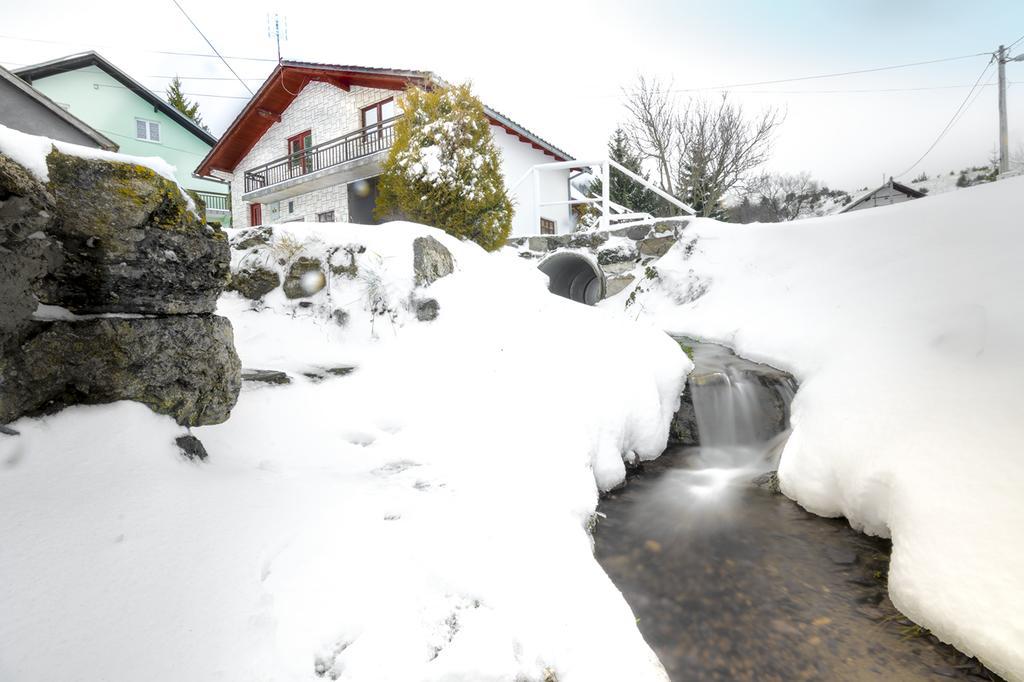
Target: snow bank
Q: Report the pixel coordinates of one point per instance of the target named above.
(905, 326)
(31, 151)
(423, 518)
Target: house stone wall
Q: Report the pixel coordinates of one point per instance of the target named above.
(328, 112)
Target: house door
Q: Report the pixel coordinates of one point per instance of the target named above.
(255, 215)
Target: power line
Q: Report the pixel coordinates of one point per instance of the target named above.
(952, 120)
(189, 94)
(140, 49)
(178, 5)
(1014, 43)
(833, 75)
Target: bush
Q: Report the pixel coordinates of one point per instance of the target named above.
(444, 169)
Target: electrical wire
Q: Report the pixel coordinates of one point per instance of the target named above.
(140, 49)
(833, 75)
(952, 120)
(1010, 46)
(199, 31)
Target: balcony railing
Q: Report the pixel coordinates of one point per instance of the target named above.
(215, 202)
(357, 144)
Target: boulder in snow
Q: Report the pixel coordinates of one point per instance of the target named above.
(431, 261)
(656, 246)
(183, 366)
(305, 277)
(254, 282)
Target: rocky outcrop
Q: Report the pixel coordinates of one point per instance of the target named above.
(184, 366)
(131, 242)
(431, 261)
(131, 272)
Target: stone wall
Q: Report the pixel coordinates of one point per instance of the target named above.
(620, 252)
(108, 281)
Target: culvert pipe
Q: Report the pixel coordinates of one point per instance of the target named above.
(574, 276)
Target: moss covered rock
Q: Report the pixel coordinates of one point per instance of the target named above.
(254, 282)
(183, 366)
(305, 277)
(131, 242)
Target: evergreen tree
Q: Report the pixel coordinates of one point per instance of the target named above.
(624, 190)
(176, 98)
(444, 169)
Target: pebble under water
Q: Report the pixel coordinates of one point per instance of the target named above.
(732, 581)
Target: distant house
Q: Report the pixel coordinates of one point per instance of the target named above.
(140, 121)
(309, 147)
(24, 108)
(886, 195)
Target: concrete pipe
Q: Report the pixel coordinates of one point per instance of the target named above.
(574, 276)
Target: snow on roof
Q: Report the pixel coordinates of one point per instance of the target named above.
(866, 194)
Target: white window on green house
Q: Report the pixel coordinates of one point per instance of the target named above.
(147, 130)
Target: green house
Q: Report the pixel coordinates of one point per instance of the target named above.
(141, 122)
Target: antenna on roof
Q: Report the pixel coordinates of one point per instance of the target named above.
(277, 28)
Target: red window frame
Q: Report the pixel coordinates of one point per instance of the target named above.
(302, 139)
(255, 215)
(379, 108)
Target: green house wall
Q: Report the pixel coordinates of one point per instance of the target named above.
(108, 106)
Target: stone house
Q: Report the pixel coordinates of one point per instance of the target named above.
(309, 145)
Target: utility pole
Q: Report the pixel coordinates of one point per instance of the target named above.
(1004, 139)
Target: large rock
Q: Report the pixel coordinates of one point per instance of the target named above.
(26, 252)
(431, 261)
(183, 366)
(254, 282)
(131, 242)
(305, 277)
(656, 246)
(254, 236)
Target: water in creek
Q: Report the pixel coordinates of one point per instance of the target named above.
(731, 581)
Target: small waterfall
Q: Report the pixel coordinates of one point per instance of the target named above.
(740, 408)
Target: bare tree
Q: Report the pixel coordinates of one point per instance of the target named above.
(652, 128)
(702, 150)
(784, 196)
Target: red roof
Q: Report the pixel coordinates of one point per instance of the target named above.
(287, 81)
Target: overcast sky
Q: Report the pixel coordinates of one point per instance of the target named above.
(559, 68)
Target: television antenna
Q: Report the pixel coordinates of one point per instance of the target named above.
(277, 28)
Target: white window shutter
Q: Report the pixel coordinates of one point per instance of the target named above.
(140, 130)
(154, 131)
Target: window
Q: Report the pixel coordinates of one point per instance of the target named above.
(547, 226)
(298, 150)
(325, 217)
(375, 114)
(291, 207)
(147, 130)
(255, 215)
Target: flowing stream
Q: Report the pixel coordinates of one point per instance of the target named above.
(730, 580)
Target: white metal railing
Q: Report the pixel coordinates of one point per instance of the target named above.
(610, 211)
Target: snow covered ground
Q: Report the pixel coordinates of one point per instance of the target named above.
(905, 327)
(423, 518)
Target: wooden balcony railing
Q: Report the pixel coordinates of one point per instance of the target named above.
(357, 144)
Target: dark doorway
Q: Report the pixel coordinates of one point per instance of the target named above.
(362, 199)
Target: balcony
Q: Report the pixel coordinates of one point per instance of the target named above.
(322, 164)
(214, 202)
